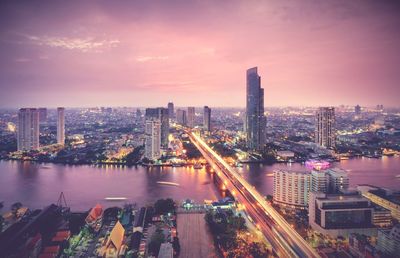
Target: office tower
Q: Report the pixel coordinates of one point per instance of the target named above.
(138, 113)
(171, 110)
(28, 129)
(291, 188)
(340, 215)
(325, 133)
(357, 109)
(60, 126)
(42, 115)
(181, 117)
(255, 118)
(162, 115)
(152, 138)
(191, 116)
(207, 118)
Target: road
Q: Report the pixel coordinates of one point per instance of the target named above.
(285, 241)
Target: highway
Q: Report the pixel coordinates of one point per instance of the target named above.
(285, 241)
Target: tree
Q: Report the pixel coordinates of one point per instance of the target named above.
(257, 250)
(163, 206)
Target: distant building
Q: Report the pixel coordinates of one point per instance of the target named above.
(152, 139)
(191, 117)
(340, 215)
(255, 118)
(138, 113)
(207, 118)
(162, 115)
(291, 188)
(325, 132)
(171, 113)
(181, 117)
(389, 241)
(61, 125)
(357, 110)
(28, 129)
(42, 115)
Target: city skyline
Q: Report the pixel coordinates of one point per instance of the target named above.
(136, 54)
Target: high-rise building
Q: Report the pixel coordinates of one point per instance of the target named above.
(42, 115)
(357, 109)
(207, 118)
(325, 133)
(28, 129)
(152, 138)
(171, 110)
(162, 115)
(255, 118)
(61, 125)
(338, 180)
(191, 116)
(181, 116)
(389, 241)
(291, 188)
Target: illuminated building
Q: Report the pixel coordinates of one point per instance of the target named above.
(42, 115)
(340, 215)
(255, 118)
(61, 125)
(162, 115)
(338, 180)
(317, 164)
(190, 116)
(114, 245)
(325, 133)
(207, 118)
(28, 129)
(181, 117)
(152, 139)
(291, 188)
(171, 110)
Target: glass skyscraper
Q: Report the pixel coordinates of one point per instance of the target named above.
(255, 118)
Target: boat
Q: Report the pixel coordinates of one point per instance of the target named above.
(197, 166)
(115, 198)
(167, 183)
(177, 164)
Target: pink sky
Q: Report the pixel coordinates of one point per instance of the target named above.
(141, 53)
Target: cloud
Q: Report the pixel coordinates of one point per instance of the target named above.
(142, 59)
(88, 44)
(22, 60)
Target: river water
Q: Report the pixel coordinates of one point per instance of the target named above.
(38, 185)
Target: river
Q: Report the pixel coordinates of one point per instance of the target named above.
(37, 185)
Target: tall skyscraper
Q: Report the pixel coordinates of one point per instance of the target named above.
(28, 129)
(162, 115)
(152, 138)
(171, 110)
(325, 133)
(61, 125)
(255, 118)
(181, 116)
(42, 115)
(191, 116)
(207, 118)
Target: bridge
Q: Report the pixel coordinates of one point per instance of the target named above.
(285, 241)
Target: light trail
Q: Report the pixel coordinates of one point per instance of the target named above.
(284, 239)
